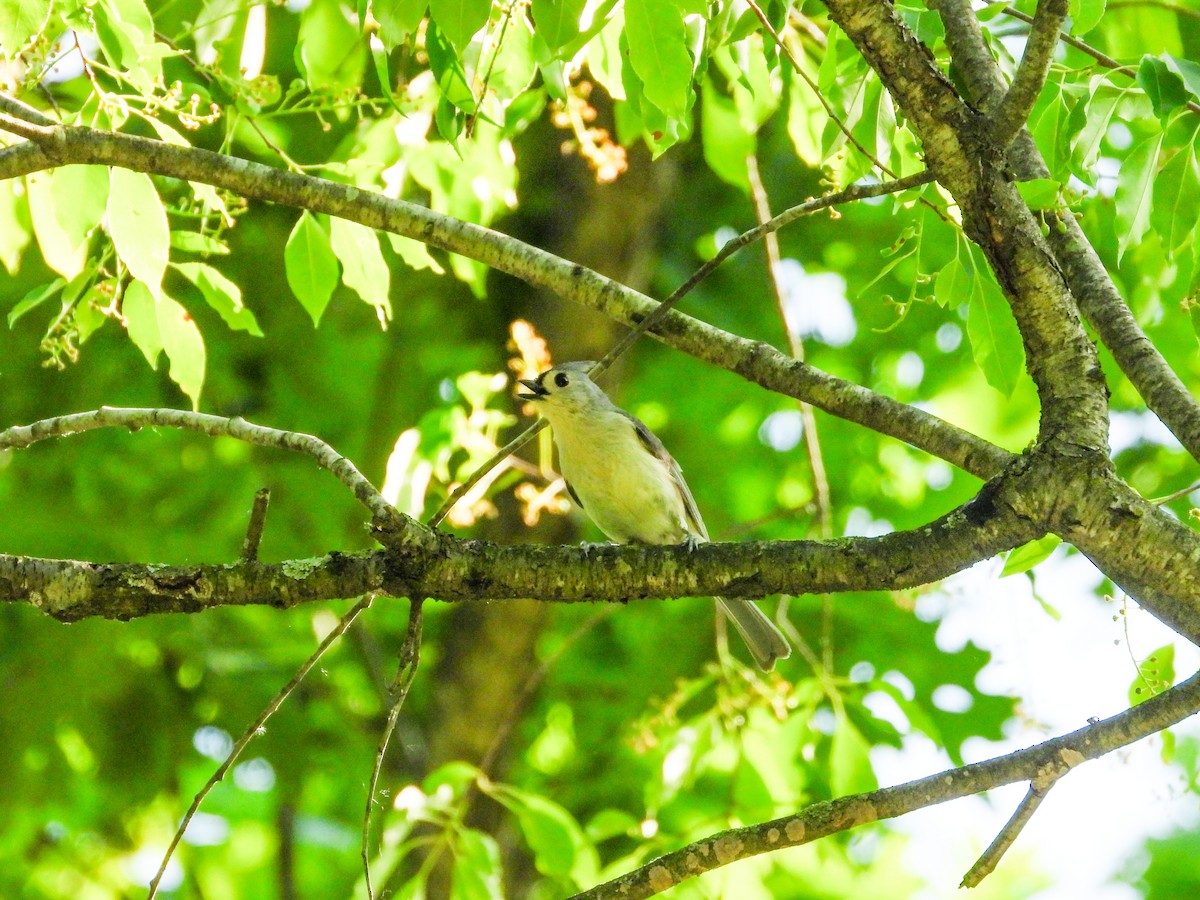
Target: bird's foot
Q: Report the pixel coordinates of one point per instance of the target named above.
(588, 546)
(691, 542)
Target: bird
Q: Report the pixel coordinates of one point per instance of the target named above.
(622, 476)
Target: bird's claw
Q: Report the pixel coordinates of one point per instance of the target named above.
(691, 542)
(588, 546)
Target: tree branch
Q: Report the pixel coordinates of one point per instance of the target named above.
(1098, 298)
(1012, 111)
(20, 436)
(753, 360)
(967, 161)
(1045, 779)
(833, 816)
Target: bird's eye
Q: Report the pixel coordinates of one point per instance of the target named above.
(561, 380)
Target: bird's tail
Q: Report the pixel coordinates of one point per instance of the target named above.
(765, 641)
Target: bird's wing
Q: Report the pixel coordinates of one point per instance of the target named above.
(655, 446)
(574, 496)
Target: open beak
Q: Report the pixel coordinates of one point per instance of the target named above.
(536, 391)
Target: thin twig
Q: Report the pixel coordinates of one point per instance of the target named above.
(1100, 56)
(406, 671)
(1038, 788)
(852, 193)
(812, 444)
(15, 107)
(135, 419)
(829, 111)
(250, 733)
(1176, 8)
(258, 520)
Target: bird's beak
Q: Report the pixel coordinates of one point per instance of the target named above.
(536, 391)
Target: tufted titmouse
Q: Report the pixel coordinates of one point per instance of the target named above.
(625, 479)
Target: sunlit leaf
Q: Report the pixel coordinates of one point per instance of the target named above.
(139, 308)
(137, 223)
(184, 347)
(1025, 557)
(658, 53)
(850, 769)
(34, 299)
(1135, 192)
(1176, 198)
(363, 268)
(995, 341)
(557, 21)
(312, 268)
(222, 295)
(459, 19)
(477, 871)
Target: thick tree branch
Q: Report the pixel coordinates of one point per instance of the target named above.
(70, 590)
(755, 361)
(823, 819)
(1098, 298)
(1012, 112)
(967, 161)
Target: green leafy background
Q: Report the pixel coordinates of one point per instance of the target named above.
(123, 289)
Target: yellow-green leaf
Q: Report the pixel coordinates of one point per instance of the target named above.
(138, 225)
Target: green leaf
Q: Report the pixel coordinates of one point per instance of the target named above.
(329, 49)
(15, 228)
(184, 347)
(1164, 87)
(80, 197)
(995, 341)
(560, 848)
(477, 870)
(1085, 15)
(398, 19)
(312, 269)
(1135, 191)
(1039, 193)
(1176, 194)
(196, 242)
(850, 769)
(804, 122)
(20, 22)
(557, 21)
(140, 311)
(727, 144)
(414, 253)
(604, 57)
(1187, 70)
(1023, 558)
(363, 268)
(953, 285)
(222, 295)
(137, 223)
(33, 299)
(448, 70)
(658, 53)
(459, 20)
(62, 252)
(1156, 673)
(379, 56)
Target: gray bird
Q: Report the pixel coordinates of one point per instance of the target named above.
(624, 478)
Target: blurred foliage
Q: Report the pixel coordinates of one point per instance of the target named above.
(636, 741)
